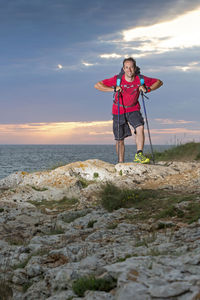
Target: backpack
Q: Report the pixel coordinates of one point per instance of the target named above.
(119, 77)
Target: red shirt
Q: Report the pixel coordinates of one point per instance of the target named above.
(130, 93)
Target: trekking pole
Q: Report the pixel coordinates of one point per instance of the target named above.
(142, 95)
(119, 77)
(118, 125)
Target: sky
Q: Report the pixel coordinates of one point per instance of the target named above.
(53, 52)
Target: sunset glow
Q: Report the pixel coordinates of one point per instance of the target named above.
(99, 132)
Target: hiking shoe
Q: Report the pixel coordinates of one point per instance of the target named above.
(140, 158)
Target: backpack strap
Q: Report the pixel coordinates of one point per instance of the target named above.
(119, 77)
(141, 77)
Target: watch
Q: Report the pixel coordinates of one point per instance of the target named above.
(148, 89)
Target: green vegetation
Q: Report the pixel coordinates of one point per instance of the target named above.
(192, 212)
(112, 225)
(56, 230)
(113, 198)
(26, 286)
(1, 209)
(96, 175)
(73, 215)
(162, 225)
(59, 205)
(170, 211)
(40, 252)
(156, 252)
(91, 223)
(94, 284)
(22, 264)
(156, 204)
(16, 240)
(6, 292)
(39, 189)
(84, 182)
(184, 152)
(121, 259)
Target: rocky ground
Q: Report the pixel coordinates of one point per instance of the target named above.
(55, 232)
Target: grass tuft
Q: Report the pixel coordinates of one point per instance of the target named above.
(112, 225)
(193, 212)
(22, 264)
(93, 284)
(38, 189)
(56, 230)
(91, 223)
(113, 198)
(121, 259)
(59, 205)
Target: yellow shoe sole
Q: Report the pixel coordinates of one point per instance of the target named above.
(146, 161)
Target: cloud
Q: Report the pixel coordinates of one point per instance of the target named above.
(176, 131)
(170, 121)
(87, 64)
(111, 55)
(101, 133)
(177, 34)
(59, 66)
(166, 36)
(191, 66)
(173, 136)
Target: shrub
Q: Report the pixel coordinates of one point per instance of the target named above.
(94, 284)
(113, 198)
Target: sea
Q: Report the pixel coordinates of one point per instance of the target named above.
(32, 158)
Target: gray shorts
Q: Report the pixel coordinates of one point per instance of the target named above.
(133, 118)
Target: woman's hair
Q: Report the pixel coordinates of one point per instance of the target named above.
(137, 69)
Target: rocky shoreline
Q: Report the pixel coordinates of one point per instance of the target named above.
(54, 231)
